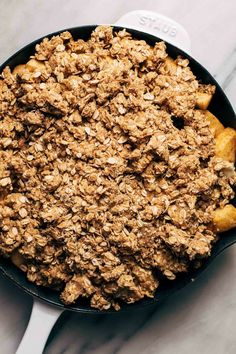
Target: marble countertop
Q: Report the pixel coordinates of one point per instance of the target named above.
(202, 317)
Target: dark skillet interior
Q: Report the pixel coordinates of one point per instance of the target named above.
(220, 106)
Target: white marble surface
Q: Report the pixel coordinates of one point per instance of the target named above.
(200, 318)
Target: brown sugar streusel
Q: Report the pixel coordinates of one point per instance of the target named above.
(107, 168)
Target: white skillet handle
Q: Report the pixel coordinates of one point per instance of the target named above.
(157, 25)
(42, 319)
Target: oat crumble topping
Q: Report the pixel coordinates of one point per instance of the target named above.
(108, 174)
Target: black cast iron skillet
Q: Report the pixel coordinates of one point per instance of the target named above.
(220, 106)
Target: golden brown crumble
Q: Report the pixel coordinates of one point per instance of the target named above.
(107, 169)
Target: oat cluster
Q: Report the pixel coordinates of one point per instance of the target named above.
(108, 178)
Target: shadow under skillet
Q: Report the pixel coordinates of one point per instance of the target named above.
(108, 333)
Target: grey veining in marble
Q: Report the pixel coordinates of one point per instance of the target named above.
(202, 317)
